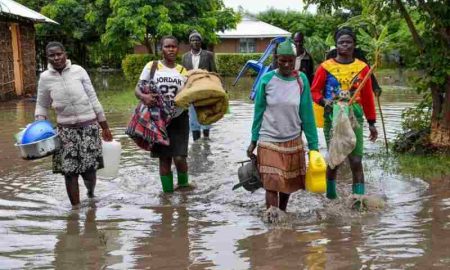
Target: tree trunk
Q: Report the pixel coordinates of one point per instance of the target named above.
(411, 26)
(155, 46)
(148, 44)
(440, 118)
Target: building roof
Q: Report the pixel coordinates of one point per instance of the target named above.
(10, 7)
(252, 28)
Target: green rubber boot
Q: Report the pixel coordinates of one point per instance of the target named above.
(358, 188)
(167, 183)
(331, 189)
(183, 180)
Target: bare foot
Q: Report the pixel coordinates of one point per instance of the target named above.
(274, 215)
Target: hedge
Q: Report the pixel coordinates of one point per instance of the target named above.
(228, 64)
(133, 64)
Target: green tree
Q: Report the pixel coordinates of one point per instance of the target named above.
(144, 22)
(81, 23)
(97, 13)
(374, 36)
(73, 30)
(433, 46)
(316, 28)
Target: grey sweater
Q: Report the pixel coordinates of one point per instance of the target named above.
(283, 109)
(70, 93)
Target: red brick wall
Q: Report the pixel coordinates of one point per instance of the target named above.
(141, 49)
(184, 47)
(261, 44)
(231, 45)
(228, 45)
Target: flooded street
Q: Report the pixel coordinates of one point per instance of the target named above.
(131, 224)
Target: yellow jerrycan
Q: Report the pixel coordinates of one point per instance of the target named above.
(318, 115)
(316, 173)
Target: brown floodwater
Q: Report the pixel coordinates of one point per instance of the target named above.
(131, 224)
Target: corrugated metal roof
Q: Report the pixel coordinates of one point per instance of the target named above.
(14, 8)
(252, 28)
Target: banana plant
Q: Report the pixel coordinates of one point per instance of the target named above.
(373, 36)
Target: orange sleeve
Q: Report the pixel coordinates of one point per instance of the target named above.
(318, 84)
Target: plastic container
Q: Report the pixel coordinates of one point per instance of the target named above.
(111, 159)
(37, 131)
(316, 173)
(39, 149)
(318, 115)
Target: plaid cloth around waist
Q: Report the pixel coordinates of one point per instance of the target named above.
(148, 123)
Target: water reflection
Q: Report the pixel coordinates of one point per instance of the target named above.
(81, 243)
(437, 212)
(285, 249)
(166, 246)
(200, 155)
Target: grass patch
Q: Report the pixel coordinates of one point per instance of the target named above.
(426, 167)
(117, 100)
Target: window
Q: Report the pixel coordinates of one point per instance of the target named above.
(247, 45)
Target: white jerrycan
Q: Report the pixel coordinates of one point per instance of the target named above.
(111, 159)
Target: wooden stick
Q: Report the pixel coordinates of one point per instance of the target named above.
(382, 123)
(364, 81)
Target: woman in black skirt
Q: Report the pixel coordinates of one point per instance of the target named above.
(169, 78)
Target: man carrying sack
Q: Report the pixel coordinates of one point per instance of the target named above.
(197, 58)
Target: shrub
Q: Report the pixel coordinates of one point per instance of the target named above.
(419, 117)
(229, 64)
(133, 64)
(416, 129)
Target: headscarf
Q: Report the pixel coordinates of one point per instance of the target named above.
(287, 47)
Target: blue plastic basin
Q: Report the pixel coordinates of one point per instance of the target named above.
(38, 130)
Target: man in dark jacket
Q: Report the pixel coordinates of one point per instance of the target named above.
(304, 61)
(197, 58)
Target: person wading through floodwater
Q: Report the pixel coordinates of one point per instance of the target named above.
(343, 74)
(197, 58)
(283, 108)
(169, 78)
(68, 89)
